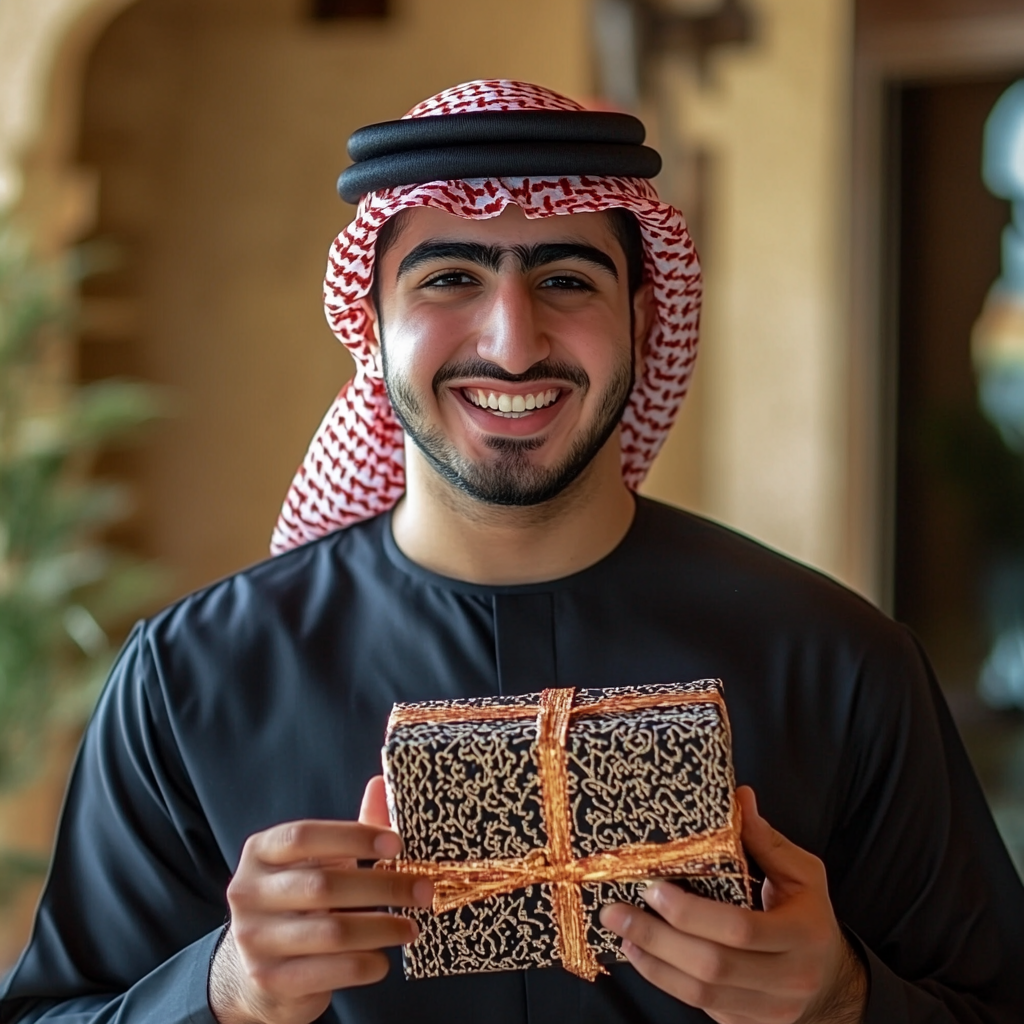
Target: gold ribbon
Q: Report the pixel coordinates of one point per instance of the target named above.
(458, 883)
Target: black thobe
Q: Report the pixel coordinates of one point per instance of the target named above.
(263, 699)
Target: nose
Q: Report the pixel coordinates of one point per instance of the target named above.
(510, 335)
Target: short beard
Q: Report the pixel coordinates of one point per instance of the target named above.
(510, 479)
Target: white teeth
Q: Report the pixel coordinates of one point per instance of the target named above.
(511, 405)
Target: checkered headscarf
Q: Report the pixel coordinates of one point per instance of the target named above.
(354, 468)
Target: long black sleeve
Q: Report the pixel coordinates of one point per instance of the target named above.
(984, 956)
(916, 867)
(135, 897)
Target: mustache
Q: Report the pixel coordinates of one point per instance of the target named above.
(483, 370)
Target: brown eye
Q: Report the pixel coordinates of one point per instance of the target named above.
(565, 282)
(449, 279)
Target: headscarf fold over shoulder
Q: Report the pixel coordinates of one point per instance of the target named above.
(354, 468)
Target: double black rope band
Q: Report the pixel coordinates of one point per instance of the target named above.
(494, 126)
(526, 143)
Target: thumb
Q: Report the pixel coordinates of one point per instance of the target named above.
(374, 808)
(787, 867)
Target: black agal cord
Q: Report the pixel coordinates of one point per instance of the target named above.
(521, 143)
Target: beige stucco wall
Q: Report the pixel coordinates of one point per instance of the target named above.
(31, 32)
(775, 120)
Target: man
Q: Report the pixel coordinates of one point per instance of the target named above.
(533, 341)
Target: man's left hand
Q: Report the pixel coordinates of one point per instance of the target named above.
(789, 963)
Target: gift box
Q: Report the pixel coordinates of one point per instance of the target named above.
(532, 812)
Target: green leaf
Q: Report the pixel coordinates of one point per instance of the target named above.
(60, 587)
(114, 408)
(129, 585)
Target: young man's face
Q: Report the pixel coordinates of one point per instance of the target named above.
(509, 348)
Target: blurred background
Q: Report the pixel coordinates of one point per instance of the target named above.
(167, 199)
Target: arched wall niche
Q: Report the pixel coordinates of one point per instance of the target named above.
(44, 45)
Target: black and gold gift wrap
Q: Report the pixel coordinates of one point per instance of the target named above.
(531, 812)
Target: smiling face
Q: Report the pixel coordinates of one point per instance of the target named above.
(508, 345)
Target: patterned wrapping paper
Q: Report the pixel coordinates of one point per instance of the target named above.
(531, 812)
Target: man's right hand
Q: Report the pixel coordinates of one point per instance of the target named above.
(300, 923)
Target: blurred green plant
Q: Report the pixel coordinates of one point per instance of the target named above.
(62, 588)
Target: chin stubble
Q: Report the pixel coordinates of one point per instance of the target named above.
(510, 479)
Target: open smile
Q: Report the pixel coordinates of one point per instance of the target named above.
(511, 406)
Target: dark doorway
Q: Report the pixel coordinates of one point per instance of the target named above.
(959, 516)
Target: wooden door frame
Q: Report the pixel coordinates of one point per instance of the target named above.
(884, 58)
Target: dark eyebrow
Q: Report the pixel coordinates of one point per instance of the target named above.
(529, 257)
(489, 256)
(533, 256)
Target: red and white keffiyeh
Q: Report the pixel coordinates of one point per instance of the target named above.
(354, 468)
